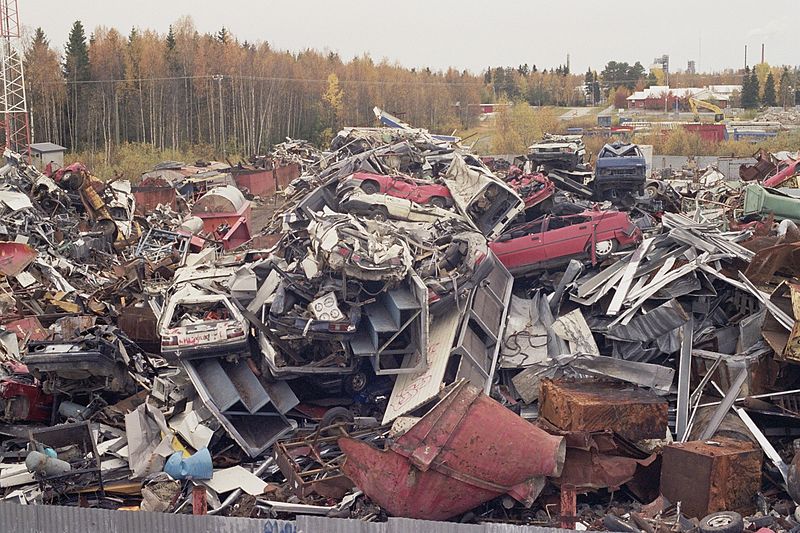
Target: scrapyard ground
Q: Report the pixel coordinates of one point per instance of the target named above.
(292, 356)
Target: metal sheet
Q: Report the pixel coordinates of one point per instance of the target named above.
(413, 390)
(50, 518)
(649, 326)
(572, 327)
(627, 277)
(684, 373)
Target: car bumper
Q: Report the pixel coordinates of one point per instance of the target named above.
(218, 349)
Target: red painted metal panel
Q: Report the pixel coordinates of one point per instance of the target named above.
(28, 328)
(15, 257)
(284, 174)
(238, 223)
(148, 198)
(467, 450)
(708, 132)
(258, 182)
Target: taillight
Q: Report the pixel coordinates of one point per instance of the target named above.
(169, 340)
(235, 331)
(433, 297)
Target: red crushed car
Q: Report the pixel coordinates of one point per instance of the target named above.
(786, 169)
(551, 241)
(533, 188)
(419, 191)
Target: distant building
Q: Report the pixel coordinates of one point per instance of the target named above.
(662, 63)
(488, 109)
(664, 97)
(605, 117)
(691, 67)
(43, 153)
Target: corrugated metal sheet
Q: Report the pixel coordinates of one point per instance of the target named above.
(54, 519)
(319, 524)
(51, 519)
(313, 524)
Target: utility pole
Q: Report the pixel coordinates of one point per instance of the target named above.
(218, 78)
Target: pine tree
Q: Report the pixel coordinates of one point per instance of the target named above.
(76, 70)
(170, 39)
(756, 87)
(76, 54)
(769, 91)
(596, 93)
(39, 39)
(749, 89)
(787, 96)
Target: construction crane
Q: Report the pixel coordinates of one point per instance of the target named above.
(694, 103)
(13, 100)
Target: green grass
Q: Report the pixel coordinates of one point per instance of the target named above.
(131, 160)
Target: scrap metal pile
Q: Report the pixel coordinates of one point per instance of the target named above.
(424, 338)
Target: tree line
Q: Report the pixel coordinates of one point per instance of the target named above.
(185, 88)
(188, 88)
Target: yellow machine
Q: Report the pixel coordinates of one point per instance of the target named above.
(694, 103)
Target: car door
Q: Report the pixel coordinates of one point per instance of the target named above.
(400, 188)
(521, 249)
(566, 236)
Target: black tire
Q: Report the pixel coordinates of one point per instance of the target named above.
(370, 187)
(438, 201)
(355, 383)
(336, 415)
(722, 522)
(381, 214)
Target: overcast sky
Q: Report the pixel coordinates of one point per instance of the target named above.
(466, 34)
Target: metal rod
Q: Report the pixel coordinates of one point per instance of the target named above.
(725, 405)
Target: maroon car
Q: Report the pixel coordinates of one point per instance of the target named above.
(551, 241)
(419, 191)
(533, 188)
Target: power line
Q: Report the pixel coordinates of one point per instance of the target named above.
(476, 83)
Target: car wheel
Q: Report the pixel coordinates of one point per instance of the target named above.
(604, 249)
(651, 191)
(333, 416)
(381, 214)
(370, 187)
(438, 201)
(722, 522)
(355, 383)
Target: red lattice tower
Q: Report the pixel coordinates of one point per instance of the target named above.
(13, 100)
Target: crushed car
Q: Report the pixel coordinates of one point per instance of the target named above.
(562, 152)
(620, 173)
(196, 324)
(418, 191)
(552, 241)
(384, 207)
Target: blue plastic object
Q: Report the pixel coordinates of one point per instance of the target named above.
(197, 466)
